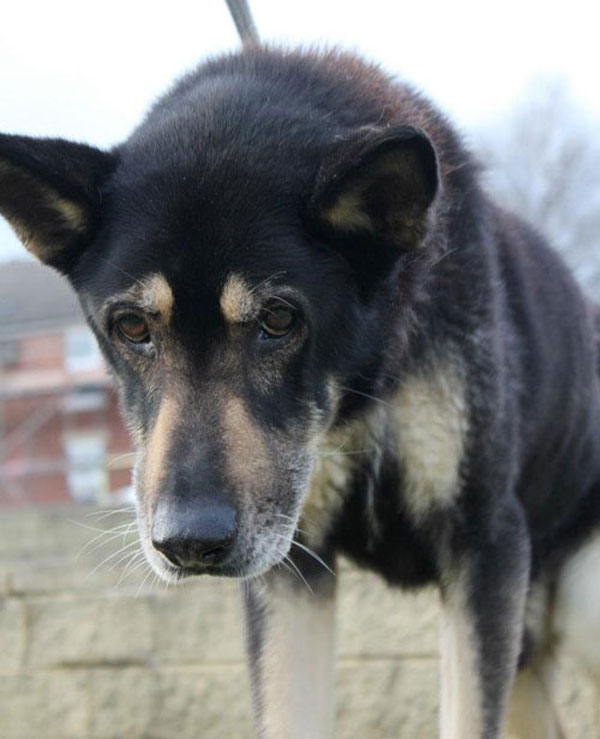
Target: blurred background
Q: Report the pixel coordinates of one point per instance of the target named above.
(90, 647)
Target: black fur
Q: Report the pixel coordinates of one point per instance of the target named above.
(236, 170)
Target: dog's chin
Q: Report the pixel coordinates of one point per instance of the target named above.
(170, 574)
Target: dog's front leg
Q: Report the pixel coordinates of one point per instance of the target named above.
(291, 648)
(483, 602)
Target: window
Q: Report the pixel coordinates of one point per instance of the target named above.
(81, 351)
(84, 400)
(87, 477)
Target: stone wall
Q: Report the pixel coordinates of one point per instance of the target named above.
(86, 652)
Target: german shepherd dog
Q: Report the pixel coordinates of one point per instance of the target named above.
(328, 340)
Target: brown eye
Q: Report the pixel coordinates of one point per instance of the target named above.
(134, 328)
(278, 320)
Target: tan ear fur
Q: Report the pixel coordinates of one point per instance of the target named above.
(49, 194)
(63, 220)
(382, 182)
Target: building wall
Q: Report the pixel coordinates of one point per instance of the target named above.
(84, 657)
(42, 417)
(39, 351)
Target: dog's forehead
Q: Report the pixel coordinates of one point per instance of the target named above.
(201, 282)
(199, 200)
(206, 256)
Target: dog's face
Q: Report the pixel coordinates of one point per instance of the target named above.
(237, 274)
(219, 322)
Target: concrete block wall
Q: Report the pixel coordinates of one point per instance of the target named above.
(85, 656)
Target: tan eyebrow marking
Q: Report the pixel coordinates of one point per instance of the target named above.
(152, 293)
(157, 292)
(238, 302)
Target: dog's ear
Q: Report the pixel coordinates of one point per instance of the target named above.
(50, 194)
(380, 181)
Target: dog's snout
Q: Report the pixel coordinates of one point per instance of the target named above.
(195, 536)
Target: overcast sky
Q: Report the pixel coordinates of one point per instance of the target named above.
(87, 71)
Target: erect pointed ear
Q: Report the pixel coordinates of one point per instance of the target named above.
(50, 194)
(380, 180)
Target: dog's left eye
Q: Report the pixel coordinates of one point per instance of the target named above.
(134, 328)
(277, 319)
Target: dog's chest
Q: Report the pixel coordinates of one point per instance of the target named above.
(378, 480)
(430, 421)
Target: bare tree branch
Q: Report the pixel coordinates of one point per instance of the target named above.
(543, 162)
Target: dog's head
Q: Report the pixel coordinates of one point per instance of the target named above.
(238, 261)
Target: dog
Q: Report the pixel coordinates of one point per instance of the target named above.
(328, 340)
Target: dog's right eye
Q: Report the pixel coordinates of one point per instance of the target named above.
(133, 328)
(278, 319)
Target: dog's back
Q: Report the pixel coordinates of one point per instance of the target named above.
(553, 329)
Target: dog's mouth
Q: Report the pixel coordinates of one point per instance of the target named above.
(250, 555)
(170, 572)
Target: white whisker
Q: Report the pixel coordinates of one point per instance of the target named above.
(139, 564)
(114, 460)
(114, 266)
(337, 452)
(306, 549)
(135, 558)
(104, 537)
(148, 574)
(291, 562)
(105, 512)
(111, 557)
(289, 518)
(127, 555)
(271, 277)
(95, 528)
(365, 395)
(314, 555)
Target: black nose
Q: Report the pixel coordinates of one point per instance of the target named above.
(194, 535)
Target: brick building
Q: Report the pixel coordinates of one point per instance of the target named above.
(61, 437)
